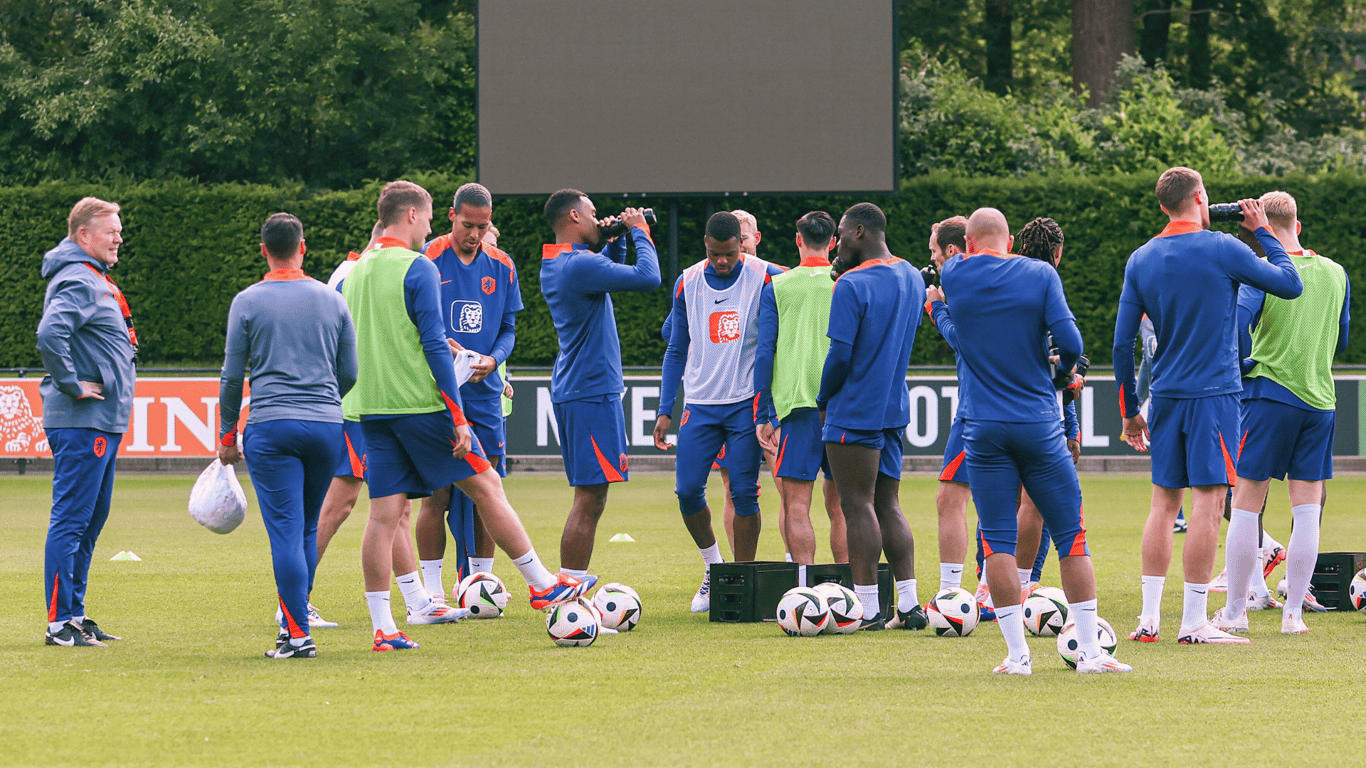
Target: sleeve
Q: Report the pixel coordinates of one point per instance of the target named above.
(943, 321)
(1277, 275)
(421, 297)
(234, 371)
(1346, 319)
(616, 250)
(348, 367)
(835, 371)
(599, 273)
(507, 338)
(676, 355)
(68, 310)
(1250, 302)
(1126, 330)
(844, 321)
(767, 352)
(667, 329)
(1071, 425)
(1061, 322)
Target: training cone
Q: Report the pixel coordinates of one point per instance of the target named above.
(622, 537)
(126, 557)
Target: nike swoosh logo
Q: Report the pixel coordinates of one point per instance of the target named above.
(718, 301)
(960, 570)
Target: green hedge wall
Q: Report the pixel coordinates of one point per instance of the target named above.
(190, 247)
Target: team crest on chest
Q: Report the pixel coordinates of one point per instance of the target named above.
(467, 316)
(489, 285)
(725, 327)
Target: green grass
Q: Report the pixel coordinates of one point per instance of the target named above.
(189, 687)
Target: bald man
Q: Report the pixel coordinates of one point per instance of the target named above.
(1004, 308)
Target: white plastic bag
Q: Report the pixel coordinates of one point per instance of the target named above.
(217, 500)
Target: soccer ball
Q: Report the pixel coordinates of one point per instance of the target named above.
(1357, 591)
(1282, 590)
(803, 612)
(846, 610)
(619, 587)
(572, 623)
(482, 594)
(617, 608)
(953, 613)
(1045, 612)
(1067, 640)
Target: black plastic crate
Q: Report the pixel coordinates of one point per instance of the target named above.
(749, 591)
(843, 574)
(1333, 577)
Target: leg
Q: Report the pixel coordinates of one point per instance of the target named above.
(897, 540)
(800, 536)
(744, 455)
(76, 470)
(839, 537)
(1202, 538)
(855, 468)
(387, 515)
(341, 499)
(728, 512)
(430, 526)
(779, 483)
(951, 501)
(1157, 533)
(580, 529)
(80, 572)
(1029, 527)
(1240, 543)
(1306, 498)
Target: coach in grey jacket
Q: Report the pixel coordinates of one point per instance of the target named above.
(89, 349)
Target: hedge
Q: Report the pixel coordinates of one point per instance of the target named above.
(190, 247)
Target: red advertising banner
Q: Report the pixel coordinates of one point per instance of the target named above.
(171, 417)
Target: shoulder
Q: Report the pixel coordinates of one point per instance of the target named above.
(437, 246)
(498, 255)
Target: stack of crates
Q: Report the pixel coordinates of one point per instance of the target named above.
(1333, 576)
(750, 591)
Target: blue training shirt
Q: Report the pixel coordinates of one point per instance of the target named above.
(1186, 281)
(874, 313)
(577, 282)
(1004, 307)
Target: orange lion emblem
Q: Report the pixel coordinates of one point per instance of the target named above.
(20, 430)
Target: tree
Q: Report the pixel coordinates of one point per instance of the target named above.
(1000, 55)
(1102, 33)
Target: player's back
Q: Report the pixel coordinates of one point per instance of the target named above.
(1002, 309)
(882, 299)
(589, 360)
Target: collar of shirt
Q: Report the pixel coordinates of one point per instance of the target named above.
(1180, 228)
(989, 252)
(551, 250)
(353, 256)
(284, 274)
(393, 242)
(814, 261)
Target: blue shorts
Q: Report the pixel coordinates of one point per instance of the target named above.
(593, 443)
(888, 441)
(720, 461)
(1280, 439)
(702, 431)
(412, 455)
(955, 456)
(801, 451)
(352, 461)
(1002, 456)
(487, 422)
(1193, 440)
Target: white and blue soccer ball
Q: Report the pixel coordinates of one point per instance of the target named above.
(846, 610)
(953, 613)
(482, 594)
(572, 623)
(618, 607)
(1068, 645)
(803, 612)
(1356, 591)
(1045, 612)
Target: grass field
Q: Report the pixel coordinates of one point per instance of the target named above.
(188, 685)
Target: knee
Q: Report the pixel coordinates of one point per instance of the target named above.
(691, 501)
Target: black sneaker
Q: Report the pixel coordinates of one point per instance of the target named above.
(92, 630)
(285, 650)
(873, 625)
(914, 618)
(69, 636)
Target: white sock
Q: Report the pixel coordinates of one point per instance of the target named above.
(1259, 589)
(950, 576)
(481, 565)
(801, 575)
(867, 594)
(1084, 614)
(1301, 556)
(55, 626)
(381, 615)
(1152, 598)
(1025, 573)
(574, 572)
(414, 594)
(1240, 555)
(1269, 543)
(298, 642)
(787, 557)
(1011, 621)
(535, 573)
(906, 597)
(1194, 605)
(711, 555)
(431, 576)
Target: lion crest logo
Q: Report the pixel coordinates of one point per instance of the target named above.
(725, 327)
(20, 430)
(468, 316)
(489, 285)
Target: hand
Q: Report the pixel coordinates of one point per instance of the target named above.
(822, 418)
(90, 390)
(483, 368)
(229, 454)
(768, 436)
(507, 389)
(934, 293)
(1075, 448)
(462, 441)
(632, 217)
(454, 346)
(662, 429)
(1254, 216)
(1136, 432)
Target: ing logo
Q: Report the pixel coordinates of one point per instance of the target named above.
(467, 316)
(725, 327)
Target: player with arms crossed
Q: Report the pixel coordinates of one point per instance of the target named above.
(480, 299)
(408, 403)
(794, 314)
(1005, 307)
(586, 385)
(865, 406)
(1186, 280)
(711, 351)
(296, 337)
(1288, 414)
